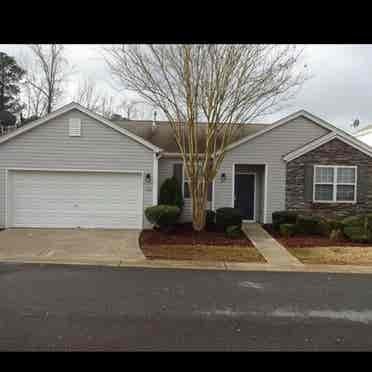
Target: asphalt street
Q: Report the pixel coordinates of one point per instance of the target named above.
(86, 308)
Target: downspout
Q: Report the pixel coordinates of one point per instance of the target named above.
(155, 177)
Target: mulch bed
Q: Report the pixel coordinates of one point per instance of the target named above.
(183, 234)
(305, 241)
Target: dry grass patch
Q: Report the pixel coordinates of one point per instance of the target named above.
(202, 253)
(334, 255)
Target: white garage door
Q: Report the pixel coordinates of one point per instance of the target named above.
(74, 199)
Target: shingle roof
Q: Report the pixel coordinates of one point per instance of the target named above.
(363, 130)
(162, 135)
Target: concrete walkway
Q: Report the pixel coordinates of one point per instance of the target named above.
(273, 252)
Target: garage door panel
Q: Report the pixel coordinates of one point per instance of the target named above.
(72, 199)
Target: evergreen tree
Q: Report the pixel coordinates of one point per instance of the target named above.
(10, 76)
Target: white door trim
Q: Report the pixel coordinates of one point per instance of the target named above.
(254, 189)
(8, 189)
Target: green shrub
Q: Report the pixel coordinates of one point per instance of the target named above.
(353, 221)
(171, 193)
(283, 217)
(333, 223)
(313, 225)
(233, 231)
(358, 234)
(226, 217)
(210, 219)
(163, 216)
(358, 228)
(287, 229)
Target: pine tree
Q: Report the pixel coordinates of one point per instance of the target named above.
(10, 76)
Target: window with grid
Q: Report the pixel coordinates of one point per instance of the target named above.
(335, 183)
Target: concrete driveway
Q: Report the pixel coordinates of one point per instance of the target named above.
(70, 245)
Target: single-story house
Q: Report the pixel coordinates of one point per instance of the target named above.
(73, 168)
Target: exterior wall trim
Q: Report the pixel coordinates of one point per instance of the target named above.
(255, 185)
(7, 208)
(155, 178)
(325, 139)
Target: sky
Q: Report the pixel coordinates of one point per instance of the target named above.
(339, 91)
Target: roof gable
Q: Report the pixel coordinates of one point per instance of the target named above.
(76, 106)
(322, 123)
(325, 139)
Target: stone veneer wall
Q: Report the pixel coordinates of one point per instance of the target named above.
(334, 152)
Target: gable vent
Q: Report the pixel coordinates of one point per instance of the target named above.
(75, 127)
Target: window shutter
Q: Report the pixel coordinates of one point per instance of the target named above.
(362, 183)
(75, 127)
(210, 190)
(178, 173)
(309, 175)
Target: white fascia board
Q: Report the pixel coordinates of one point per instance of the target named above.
(327, 138)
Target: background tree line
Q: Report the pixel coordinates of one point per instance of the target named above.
(37, 83)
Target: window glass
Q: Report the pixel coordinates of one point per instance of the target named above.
(345, 175)
(345, 192)
(324, 175)
(324, 192)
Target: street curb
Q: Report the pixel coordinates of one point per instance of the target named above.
(202, 265)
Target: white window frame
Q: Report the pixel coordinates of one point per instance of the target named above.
(335, 183)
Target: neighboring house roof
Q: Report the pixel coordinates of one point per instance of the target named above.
(363, 131)
(348, 139)
(76, 106)
(162, 134)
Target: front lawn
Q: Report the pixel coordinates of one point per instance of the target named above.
(334, 255)
(317, 249)
(186, 244)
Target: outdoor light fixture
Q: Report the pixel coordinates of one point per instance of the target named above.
(223, 177)
(148, 178)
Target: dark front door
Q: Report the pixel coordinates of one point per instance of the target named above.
(244, 194)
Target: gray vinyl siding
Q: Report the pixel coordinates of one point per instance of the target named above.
(49, 146)
(166, 171)
(268, 148)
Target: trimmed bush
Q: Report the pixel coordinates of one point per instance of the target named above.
(226, 217)
(171, 193)
(163, 216)
(283, 217)
(312, 225)
(358, 234)
(358, 228)
(210, 220)
(287, 229)
(233, 231)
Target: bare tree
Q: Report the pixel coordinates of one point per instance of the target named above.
(50, 70)
(130, 108)
(220, 84)
(87, 94)
(91, 97)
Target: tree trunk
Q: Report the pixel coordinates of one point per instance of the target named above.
(199, 205)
